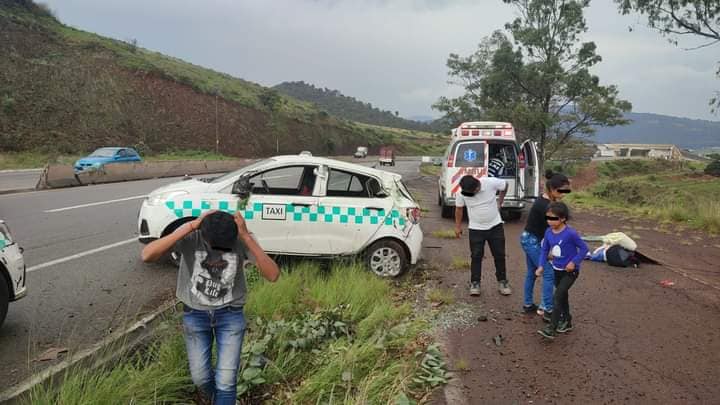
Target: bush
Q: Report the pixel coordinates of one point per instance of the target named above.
(713, 168)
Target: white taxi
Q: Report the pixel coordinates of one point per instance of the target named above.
(12, 271)
(302, 206)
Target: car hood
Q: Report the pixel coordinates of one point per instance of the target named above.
(191, 186)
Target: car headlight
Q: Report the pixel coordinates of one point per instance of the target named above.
(5, 236)
(159, 199)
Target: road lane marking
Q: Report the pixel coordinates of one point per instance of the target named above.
(79, 255)
(137, 197)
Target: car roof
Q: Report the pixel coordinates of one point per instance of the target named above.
(337, 164)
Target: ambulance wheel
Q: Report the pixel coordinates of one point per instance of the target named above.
(386, 258)
(448, 211)
(511, 215)
(4, 299)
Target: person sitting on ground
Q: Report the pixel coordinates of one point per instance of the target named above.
(485, 225)
(565, 249)
(211, 286)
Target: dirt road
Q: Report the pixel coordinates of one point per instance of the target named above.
(634, 341)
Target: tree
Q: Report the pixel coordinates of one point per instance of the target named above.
(540, 81)
(677, 18)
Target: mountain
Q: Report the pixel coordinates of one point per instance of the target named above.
(69, 91)
(339, 105)
(662, 129)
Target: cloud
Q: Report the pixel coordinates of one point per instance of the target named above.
(391, 53)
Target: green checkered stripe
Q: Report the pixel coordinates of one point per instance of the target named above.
(320, 213)
(3, 242)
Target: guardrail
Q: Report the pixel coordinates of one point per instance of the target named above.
(57, 176)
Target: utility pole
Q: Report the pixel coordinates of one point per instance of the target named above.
(217, 124)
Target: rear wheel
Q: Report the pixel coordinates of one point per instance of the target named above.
(4, 299)
(511, 215)
(448, 211)
(386, 258)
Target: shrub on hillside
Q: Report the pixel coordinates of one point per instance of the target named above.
(713, 168)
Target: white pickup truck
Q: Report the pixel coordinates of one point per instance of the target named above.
(361, 152)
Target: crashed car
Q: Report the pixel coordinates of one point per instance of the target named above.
(12, 271)
(302, 206)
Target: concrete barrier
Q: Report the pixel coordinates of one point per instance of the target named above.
(56, 176)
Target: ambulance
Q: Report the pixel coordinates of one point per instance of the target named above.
(490, 149)
(302, 206)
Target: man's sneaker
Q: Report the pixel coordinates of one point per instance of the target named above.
(504, 288)
(565, 326)
(547, 316)
(475, 289)
(529, 309)
(548, 332)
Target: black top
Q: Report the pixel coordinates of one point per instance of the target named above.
(536, 222)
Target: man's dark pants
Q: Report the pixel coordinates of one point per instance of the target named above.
(495, 237)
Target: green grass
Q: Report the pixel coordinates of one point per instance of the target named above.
(441, 296)
(430, 170)
(375, 359)
(460, 263)
(671, 193)
(444, 234)
(32, 160)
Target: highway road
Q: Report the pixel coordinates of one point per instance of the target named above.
(85, 278)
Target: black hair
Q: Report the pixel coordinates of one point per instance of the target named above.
(219, 230)
(559, 209)
(555, 180)
(469, 185)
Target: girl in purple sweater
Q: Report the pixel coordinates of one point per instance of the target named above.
(565, 250)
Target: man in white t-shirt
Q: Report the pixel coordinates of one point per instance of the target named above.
(484, 224)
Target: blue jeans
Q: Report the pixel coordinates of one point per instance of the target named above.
(531, 246)
(227, 327)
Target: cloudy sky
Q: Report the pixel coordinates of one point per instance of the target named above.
(391, 53)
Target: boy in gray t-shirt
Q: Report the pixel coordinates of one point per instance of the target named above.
(211, 285)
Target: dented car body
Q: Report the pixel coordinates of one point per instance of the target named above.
(303, 206)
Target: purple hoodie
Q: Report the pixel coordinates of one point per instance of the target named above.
(565, 247)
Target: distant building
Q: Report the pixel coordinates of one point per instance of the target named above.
(611, 151)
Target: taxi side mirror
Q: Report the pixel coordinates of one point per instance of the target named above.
(242, 187)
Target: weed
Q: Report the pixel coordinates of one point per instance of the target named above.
(460, 263)
(462, 365)
(441, 296)
(444, 234)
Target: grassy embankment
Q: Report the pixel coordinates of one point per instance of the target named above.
(671, 192)
(313, 337)
(73, 50)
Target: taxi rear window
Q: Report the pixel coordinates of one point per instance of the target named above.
(470, 154)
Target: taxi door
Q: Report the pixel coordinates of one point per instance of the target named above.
(274, 209)
(351, 211)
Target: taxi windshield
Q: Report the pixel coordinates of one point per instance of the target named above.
(238, 172)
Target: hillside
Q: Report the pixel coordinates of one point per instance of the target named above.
(339, 105)
(654, 128)
(67, 91)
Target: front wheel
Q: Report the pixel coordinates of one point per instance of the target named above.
(386, 258)
(448, 211)
(4, 299)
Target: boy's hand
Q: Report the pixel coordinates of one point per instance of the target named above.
(539, 271)
(241, 225)
(458, 232)
(570, 267)
(195, 223)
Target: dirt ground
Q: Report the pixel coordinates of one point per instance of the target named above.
(635, 340)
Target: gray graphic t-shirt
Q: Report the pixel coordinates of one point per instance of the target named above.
(210, 284)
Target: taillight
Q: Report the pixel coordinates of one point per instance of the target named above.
(465, 132)
(497, 133)
(413, 214)
(521, 159)
(450, 160)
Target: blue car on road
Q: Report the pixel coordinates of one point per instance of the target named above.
(101, 156)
